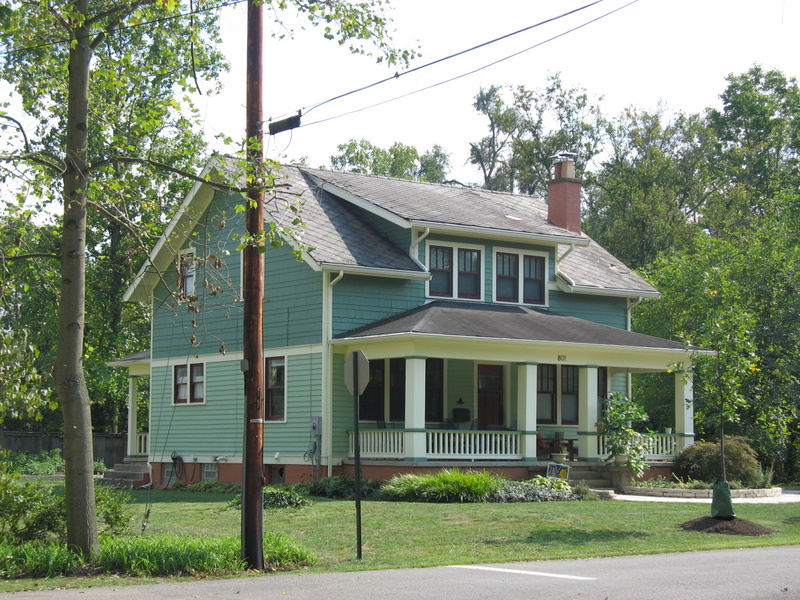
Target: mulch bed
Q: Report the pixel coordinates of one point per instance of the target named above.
(733, 526)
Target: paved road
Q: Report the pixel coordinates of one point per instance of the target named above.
(745, 574)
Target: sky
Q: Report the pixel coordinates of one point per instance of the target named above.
(674, 52)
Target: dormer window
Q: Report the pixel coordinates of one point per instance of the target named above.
(455, 272)
(520, 277)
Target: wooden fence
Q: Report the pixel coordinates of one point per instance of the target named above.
(108, 447)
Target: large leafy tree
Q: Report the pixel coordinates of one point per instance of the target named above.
(399, 160)
(100, 79)
(526, 133)
(649, 193)
(758, 148)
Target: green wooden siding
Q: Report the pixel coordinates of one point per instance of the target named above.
(213, 323)
(214, 427)
(605, 310)
(292, 301)
(342, 410)
(359, 300)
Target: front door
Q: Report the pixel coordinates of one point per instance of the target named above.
(490, 396)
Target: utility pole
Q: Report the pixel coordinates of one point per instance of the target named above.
(253, 276)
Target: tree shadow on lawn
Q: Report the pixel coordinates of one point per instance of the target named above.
(573, 537)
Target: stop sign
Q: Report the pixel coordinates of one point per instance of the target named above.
(353, 359)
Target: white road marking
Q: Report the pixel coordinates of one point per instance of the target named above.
(521, 572)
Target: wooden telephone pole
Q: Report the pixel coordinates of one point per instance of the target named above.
(253, 275)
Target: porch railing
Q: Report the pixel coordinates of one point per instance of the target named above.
(381, 443)
(487, 445)
(464, 445)
(657, 445)
(142, 444)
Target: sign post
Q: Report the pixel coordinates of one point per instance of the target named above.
(356, 378)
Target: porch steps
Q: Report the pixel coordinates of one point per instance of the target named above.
(130, 472)
(591, 475)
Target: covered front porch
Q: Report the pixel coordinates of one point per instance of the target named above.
(450, 382)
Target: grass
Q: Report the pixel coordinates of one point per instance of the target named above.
(404, 534)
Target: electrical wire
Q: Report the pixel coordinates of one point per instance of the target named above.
(468, 73)
(451, 56)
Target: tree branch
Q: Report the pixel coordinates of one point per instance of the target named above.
(131, 160)
(29, 256)
(37, 157)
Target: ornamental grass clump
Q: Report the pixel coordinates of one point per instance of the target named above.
(447, 485)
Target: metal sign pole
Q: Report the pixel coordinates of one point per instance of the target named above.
(357, 455)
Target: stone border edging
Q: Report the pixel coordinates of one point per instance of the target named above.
(679, 493)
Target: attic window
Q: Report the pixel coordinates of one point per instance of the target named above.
(186, 275)
(520, 278)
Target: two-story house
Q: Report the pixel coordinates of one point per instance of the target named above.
(492, 326)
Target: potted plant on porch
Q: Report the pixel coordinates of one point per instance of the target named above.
(624, 445)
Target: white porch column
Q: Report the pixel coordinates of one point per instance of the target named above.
(415, 442)
(684, 410)
(587, 413)
(526, 408)
(133, 424)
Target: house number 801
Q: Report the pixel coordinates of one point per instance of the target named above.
(562, 358)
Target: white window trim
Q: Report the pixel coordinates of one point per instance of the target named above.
(188, 366)
(182, 295)
(456, 247)
(520, 270)
(285, 419)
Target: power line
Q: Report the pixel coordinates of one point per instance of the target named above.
(468, 73)
(446, 58)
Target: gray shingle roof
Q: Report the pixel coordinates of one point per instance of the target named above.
(492, 321)
(334, 232)
(420, 202)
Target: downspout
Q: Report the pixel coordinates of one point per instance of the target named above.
(563, 256)
(631, 306)
(327, 363)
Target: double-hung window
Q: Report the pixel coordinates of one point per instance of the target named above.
(455, 272)
(186, 275)
(275, 396)
(189, 384)
(520, 277)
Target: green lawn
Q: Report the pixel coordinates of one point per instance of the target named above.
(399, 534)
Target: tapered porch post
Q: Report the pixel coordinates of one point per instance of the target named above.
(415, 443)
(526, 408)
(133, 424)
(684, 410)
(587, 413)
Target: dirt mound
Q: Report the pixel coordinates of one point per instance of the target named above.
(733, 526)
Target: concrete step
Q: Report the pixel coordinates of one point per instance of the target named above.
(131, 467)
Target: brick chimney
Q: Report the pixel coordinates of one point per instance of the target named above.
(564, 194)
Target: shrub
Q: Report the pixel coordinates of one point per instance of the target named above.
(538, 489)
(47, 462)
(582, 491)
(447, 485)
(30, 511)
(214, 487)
(337, 486)
(702, 461)
(276, 498)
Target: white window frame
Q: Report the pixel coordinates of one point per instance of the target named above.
(210, 472)
(185, 266)
(188, 366)
(521, 254)
(267, 360)
(456, 247)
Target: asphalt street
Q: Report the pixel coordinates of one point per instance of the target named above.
(743, 574)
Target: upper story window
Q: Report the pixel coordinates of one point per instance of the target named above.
(275, 396)
(186, 275)
(189, 384)
(520, 277)
(455, 272)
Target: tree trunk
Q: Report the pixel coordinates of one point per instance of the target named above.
(68, 371)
